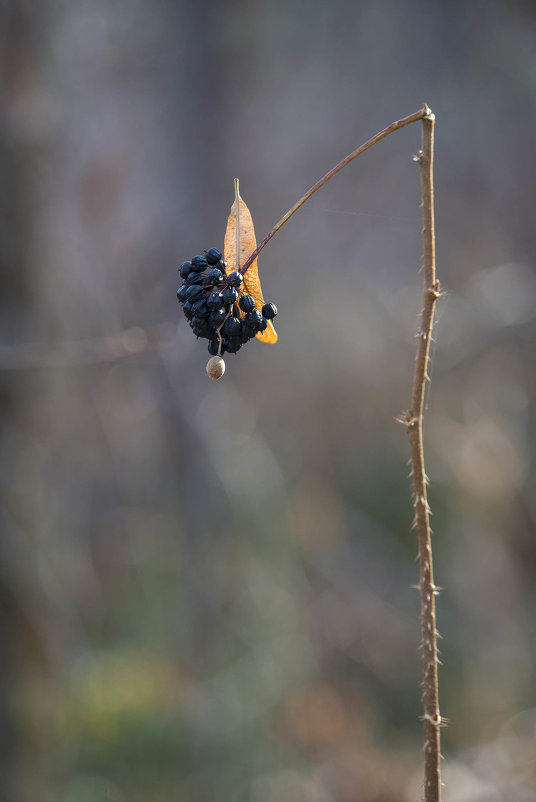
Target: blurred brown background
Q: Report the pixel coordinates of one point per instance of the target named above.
(206, 587)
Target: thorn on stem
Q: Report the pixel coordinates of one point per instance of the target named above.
(435, 719)
(407, 419)
(418, 158)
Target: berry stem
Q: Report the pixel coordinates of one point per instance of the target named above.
(412, 118)
(218, 330)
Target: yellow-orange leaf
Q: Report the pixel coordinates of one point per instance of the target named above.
(239, 243)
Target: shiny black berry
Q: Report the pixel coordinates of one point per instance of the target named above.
(213, 276)
(246, 333)
(254, 319)
(269, 311)
(246, 303)
(200, 327)
(214, 347)
(235, 279)
(230, 296)
(215, 300)
(213, 256)
(200, 308)
(185, 269)
(194, 292)
(181, 293)
(194, 278)
(233, 346)
(216, 317)
(263, 324)
(187, 309)
(231, 327)
(199, 263)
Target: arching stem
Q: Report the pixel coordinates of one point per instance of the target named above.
(418, 115)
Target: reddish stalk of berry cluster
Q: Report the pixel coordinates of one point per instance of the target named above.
(412, 118)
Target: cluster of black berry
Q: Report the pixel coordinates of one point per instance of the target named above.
(210, 300)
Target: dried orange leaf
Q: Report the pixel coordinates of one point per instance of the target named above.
(239, 243)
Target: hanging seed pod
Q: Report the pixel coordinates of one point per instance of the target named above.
(215, 367)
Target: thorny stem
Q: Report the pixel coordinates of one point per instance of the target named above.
(414, 422)
(413, 419)
(412, 118)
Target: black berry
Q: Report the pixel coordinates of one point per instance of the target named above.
(194, 278)
(246, 303)
(231, 327)
(216, 317)
(200, 308)
(235, 279)
(263, 324)
(199, 263)
(181, 293)
(194, 292)
(230, 296)
(246, 333)
(185, 269)
(187, 309)
(269, 311)
(254, 319)
(200, 327)
(214, 347)
(213, 277)
(213, 256)
(234, 346)
(215, 300)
